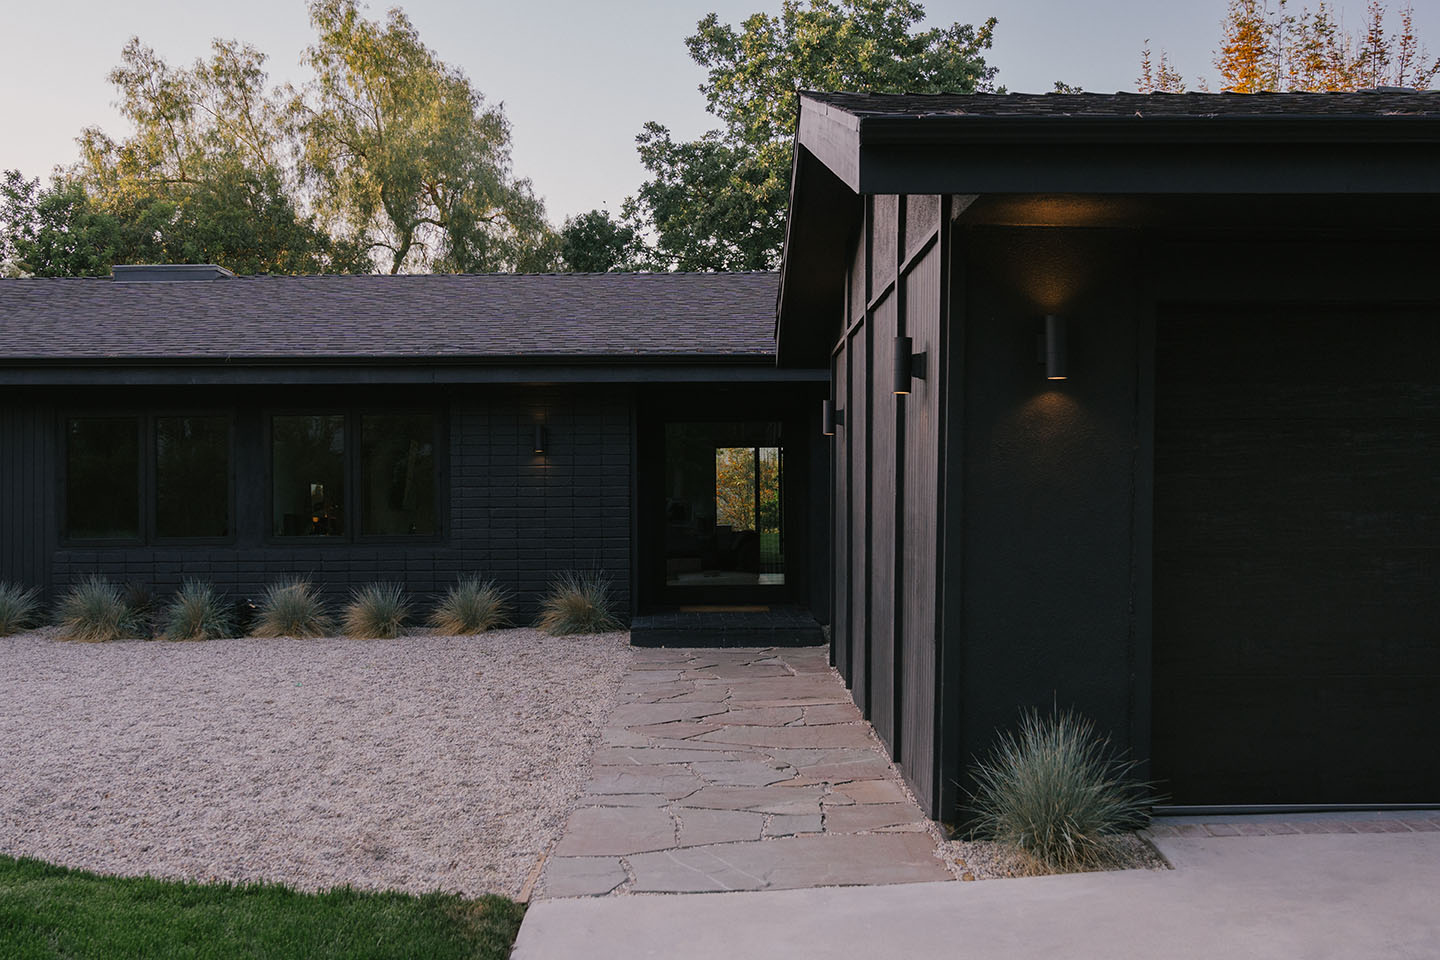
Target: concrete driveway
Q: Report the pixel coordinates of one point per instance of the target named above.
(1349, 896)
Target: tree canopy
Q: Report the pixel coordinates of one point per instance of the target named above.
(388, 159)
(719, 202)
(1269, 49)
(405, 156)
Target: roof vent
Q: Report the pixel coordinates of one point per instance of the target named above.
(130, 272)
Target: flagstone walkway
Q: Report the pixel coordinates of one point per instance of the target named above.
(739, 769)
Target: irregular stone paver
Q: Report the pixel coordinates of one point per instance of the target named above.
(859, 817)
(790, 862)
(616, 831)
(739, 770)
(699, 827)
(583, 876)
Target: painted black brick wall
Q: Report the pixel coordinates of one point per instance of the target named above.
(512, 514)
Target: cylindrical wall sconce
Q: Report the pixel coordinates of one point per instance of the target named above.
(539, 438)
(829, 417)
(1055, 365)
(904, 350)
(909, 365)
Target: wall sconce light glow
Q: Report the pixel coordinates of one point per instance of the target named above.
(909, 365)
(539, 438)
(829, 417)
(1055, 348)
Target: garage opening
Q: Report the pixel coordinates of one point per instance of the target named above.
(1297, 555)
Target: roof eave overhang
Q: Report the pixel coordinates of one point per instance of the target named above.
(1396, 154)
(333, 371)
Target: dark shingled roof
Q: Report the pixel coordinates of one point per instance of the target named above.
(1371, 103)
(636, 316)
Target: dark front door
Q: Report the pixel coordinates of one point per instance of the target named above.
(1297, 556)
(723, 510)
(723, 498)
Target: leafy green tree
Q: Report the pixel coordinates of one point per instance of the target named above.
(405, 157)
(719, 202)
(596, 242)
(201, 178)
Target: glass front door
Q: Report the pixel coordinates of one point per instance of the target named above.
(724, 505)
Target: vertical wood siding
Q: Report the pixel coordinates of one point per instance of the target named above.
(887, 483)
(919, 528)
(857, 424)
(840, 501)
(882, 516)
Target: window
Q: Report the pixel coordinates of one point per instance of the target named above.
(397, 474)
(102, 478)
(192, 477)
(317, 460)
(308, 475)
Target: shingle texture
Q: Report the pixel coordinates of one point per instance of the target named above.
(1109, 105)
(480, 316)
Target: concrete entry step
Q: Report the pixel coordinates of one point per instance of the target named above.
(721, 626)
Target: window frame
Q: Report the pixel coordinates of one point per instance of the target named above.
(148, 488)
(353, 472)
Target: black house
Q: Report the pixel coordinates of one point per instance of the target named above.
(1137, 410)
(171, 422)
(1132, 406)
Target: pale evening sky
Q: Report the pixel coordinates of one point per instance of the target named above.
(578, 79)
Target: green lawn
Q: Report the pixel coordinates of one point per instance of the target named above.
(48, 911)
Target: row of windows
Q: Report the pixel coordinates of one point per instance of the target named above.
(172, 477)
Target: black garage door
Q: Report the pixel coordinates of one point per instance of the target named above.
(1297, 556)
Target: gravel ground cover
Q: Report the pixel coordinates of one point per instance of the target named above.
(415, 764)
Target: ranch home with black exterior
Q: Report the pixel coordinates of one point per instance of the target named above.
(1137, 410)
(1132, 405)
(173, 422)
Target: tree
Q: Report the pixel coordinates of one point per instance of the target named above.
(405, 157)
(596, 242)
(1267, 49)
(719, 202)
(201, 178)
(1158, 77)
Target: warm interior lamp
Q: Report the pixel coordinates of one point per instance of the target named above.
(1055, 348)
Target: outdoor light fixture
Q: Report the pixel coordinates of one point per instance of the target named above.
(909, 365)
(1052, 348)
(539, 438)
(829, 417)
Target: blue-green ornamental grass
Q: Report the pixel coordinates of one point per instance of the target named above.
(19, 608)
(94, 611)
(197, 612)
(1056, 792)
(376, 611)
(472, 606)
(578, 603)
(48, 911)
(291, 608)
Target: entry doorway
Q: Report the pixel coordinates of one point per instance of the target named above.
(724, 505)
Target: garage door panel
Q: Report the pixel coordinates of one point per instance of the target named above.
(1297, 555)
(1237, 733)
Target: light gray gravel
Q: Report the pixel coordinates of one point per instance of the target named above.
(414, 764)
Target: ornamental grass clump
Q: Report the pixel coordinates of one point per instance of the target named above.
(472, 606)
(1057, 793)
(95, 611)
(291, 608)
(376, 611)
(18, 608)
(577, 603)
(197, 612)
